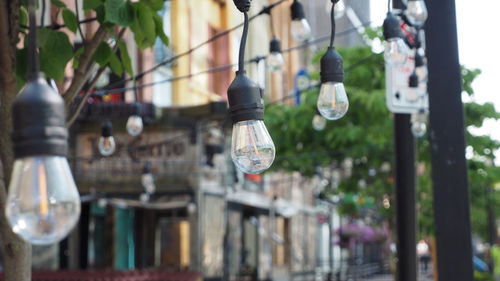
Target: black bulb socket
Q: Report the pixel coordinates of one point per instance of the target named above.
(39, 121)
(413, 80)
(136, 109)
(391, 27)
(147, 168)
(275, 45)
(419, 60)
(298, 12)
(107, 129)
(332, 67)
(244, 98)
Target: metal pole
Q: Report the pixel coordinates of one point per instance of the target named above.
(449, 169)
(406, 224)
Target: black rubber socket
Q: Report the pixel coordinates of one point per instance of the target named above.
(413, 80)
(244, 97)
(332, 67)
(297, 10)
(275, 45)
(419, 60)
(147, 168)
(39, 126)
(243, 5)
(137, 110)
(107, 129)
(391, 27)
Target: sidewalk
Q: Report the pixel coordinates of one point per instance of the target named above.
(389, 277)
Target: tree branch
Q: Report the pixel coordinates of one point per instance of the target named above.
(90, 89)
(82, 73)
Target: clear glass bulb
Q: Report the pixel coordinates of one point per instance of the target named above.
(319, 122)
(148, 182)
(43, 204)
(332, 101)
(252, 147)
(107, 145)
(418, 129)
(134, 125)
(300, 29)
(416, 12)
(275, 62)
(339, 8)
(396, 51)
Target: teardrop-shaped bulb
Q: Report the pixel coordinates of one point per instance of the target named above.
(252, 148)
(319, 122)
(275, 62)
(416, 12)
(418, 129)
(332, 101)
(134, 125)
(396, 51)
(107, 145)
(148, 182)
(43, 204)
(300, 29)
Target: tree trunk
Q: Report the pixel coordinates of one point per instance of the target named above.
(16, 252)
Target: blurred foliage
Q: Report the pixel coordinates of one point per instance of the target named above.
(363, 139)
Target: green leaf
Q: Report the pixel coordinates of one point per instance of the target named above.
(76, 58)
(159, 29)
(115, 64)
(55, 52)
(126, 61)
(154, 4)
(119, 12)
(146, 23)
(58, 3)
(23, 16)
(92, 4)
(102, 54)
(70, 20)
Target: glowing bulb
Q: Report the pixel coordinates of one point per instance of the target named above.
(134, 125)
(275, 62)
(332, 101)
(396, 51)
(252, 147)
(418, 129)
(339, 11)
(148, 182)
(300, 29)
(43, 204)
(144, 197)
(107, 145)
(319, 122)
(416, 12)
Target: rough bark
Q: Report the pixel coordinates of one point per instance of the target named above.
(16, 252)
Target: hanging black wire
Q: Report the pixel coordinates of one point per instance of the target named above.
(77, 10)
(42, 15)
(32, 38)
(388, 6)
(332, 18)
(241, 61)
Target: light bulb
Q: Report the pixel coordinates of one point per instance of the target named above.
(144, 197)
(332, 101)
(339, 11)
(300, 29)
(107, 145)
(252, 148)
(275, 62)
(319, 122)
(148, 182)
(418, 129)
(43, 204)
(396, 51)
(416, 12)
(134, 125)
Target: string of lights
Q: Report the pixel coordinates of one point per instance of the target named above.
(222, 67)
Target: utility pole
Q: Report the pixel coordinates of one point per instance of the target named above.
(406, 221)
(449, 169)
